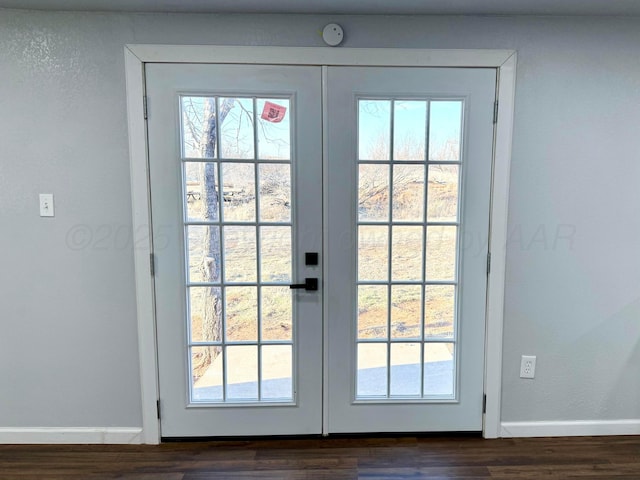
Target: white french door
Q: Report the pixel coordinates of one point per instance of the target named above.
(408, 218)
(235, 162)
(397, 307)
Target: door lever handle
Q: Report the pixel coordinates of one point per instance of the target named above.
(310, 284)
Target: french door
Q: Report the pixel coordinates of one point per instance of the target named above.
(235, 162)
(286, 275)
(409, 153)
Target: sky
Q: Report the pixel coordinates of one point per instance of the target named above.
(374, 128)
(410, 126)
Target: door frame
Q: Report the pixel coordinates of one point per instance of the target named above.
(136, 56)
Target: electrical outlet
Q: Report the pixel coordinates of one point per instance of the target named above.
(528, 366)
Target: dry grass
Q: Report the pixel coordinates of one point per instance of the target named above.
(407, 262)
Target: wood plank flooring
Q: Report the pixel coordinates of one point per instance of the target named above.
(433, 458)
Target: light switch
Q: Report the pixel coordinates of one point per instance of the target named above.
(46, 205)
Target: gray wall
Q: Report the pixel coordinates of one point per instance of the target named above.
(68, 346)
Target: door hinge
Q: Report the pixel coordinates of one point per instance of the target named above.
(158, 408)
(495, 112)
(484, 404)
(152, 264)
(488, 263)
(144, 107)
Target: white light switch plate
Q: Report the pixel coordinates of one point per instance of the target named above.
(46, 205)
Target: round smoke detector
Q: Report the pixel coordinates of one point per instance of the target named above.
(333, 34)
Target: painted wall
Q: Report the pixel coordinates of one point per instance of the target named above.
(68, 346)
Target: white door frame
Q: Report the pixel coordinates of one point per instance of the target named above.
(135, 58)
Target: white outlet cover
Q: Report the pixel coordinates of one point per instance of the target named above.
(333, 34)
(528, 366)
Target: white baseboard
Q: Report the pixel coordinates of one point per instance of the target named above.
(79, 435)
(570, 428)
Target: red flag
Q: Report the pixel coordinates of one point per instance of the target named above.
(272, 112)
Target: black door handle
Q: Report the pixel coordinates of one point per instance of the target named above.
(310, 284)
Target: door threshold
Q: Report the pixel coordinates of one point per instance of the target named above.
(332, 436)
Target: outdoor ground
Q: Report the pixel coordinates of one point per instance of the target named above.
(274, 205)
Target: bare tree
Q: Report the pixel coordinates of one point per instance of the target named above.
(203, 133)
(210, 196)
(373, 189)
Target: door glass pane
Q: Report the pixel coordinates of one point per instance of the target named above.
(241, 313)
(443, 193)
(373, 253)
(206, 374)
(203, 245)
(445, 124)
(409, 129)
(277, 368)
(372, 370)
(274, 128)
(374, 129)
(407, 253)
(373, 192)
(240, 254)
(439, 369)
(276, 313)
(239, 192)
(406, 311)
(236, 132)
(405, 370)
(408, 193)
(240, 330)
(242, 372)
(441, 252)
(198, 118)
(202, 203)
(206, 314)
(439, 311)
(372, 311)
(275, 192)
(275, 254)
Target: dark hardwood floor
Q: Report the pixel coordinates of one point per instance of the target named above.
(434, 458)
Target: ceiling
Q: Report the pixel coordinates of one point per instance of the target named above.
(337, 7)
